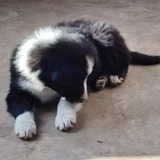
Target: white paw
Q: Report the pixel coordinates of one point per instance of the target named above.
(25, 126)
(65, 121)
(101, 82)
(115, 80)
(66, 114)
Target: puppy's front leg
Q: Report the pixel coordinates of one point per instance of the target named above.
(22, 110)
(66, 114)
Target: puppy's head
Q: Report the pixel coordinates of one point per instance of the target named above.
(70, 63)
(70, 83)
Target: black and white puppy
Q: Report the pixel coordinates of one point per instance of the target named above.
(65, 59)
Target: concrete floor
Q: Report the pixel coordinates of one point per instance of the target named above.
(123, 121)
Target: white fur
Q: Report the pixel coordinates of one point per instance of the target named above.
(90, 64)
(25, 126)
(48, 35)
(101, 82)
(85, 94)
(42, 37)
(66, 114)
(115, 80)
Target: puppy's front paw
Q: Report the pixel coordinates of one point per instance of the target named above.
(25, 126)
(115, 80)
(64, 121)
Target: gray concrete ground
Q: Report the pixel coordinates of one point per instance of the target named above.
(124, 121)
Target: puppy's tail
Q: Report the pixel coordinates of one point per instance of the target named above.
(142, 59)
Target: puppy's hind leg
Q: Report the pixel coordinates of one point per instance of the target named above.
(101, 82)
(21, 109)
(117, 79)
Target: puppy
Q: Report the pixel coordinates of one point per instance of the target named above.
(65, 59)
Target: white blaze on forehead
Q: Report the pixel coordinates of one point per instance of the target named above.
(90, 64)
(85, 94)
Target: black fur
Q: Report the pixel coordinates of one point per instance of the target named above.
(63, 64)
(64, 67)
(141, 59)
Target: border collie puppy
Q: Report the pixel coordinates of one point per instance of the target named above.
(65, 59)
